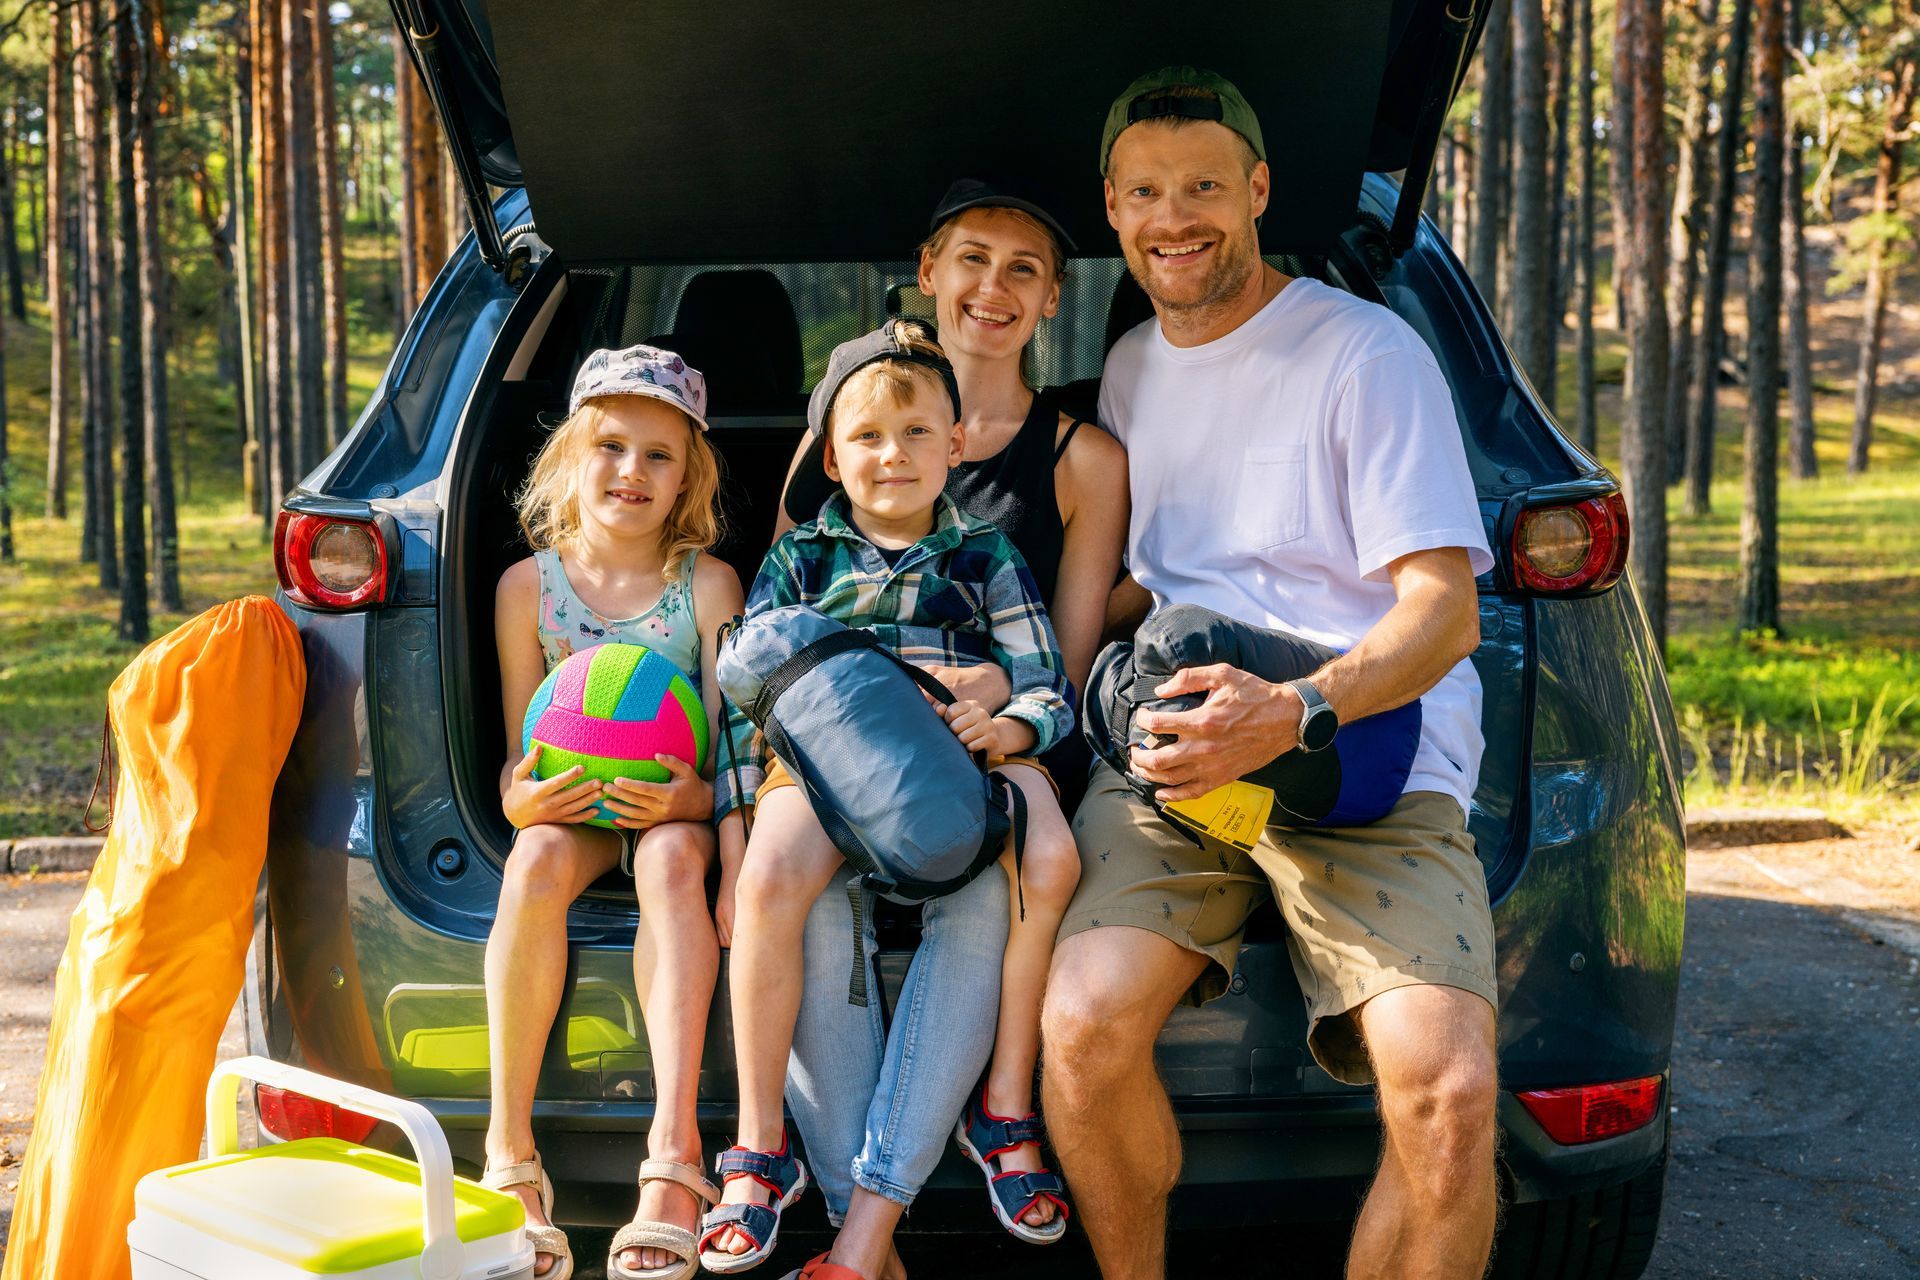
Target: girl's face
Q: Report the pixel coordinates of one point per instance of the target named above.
(634, 467)
(992, 282)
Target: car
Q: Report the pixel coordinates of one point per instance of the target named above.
(745, 184)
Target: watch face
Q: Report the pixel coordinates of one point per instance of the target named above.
(1317, 733)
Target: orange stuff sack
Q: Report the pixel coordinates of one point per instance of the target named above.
(157, 949)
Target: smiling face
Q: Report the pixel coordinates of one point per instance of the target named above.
(890, 441)
(1183, 200)
(994, 274)
(634, 464)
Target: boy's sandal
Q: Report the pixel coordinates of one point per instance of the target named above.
(985, 1137)
(779, 1172)
(820, 1269)
(663, 1235)
(549, 1240)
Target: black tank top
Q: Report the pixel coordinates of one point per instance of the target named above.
(1014, 490)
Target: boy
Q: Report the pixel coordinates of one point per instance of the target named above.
(891, 553)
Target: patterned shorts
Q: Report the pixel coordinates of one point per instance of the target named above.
(1398, 902)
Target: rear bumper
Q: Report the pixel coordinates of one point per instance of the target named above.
(1245, 1165)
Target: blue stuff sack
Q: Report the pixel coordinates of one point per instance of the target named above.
(913, 813)
(1356, 780)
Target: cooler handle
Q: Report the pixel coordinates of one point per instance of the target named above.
(443, 1256)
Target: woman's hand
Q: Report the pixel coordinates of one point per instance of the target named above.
(529, 801)
(684, 797)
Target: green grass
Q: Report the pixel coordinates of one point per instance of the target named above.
(58, 651)
(1768, 718)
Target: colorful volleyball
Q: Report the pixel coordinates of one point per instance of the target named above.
(611, 709)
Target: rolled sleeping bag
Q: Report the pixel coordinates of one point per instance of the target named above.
(1356, 780)
(913, 812)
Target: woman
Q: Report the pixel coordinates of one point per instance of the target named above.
(876, 1109)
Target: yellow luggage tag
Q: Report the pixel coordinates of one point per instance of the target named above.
(1233, 814)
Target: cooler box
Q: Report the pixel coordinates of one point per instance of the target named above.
(320, 1206)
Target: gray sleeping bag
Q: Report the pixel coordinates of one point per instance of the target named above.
(913, 813)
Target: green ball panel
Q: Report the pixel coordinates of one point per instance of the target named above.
(696, 717)
(613, 666)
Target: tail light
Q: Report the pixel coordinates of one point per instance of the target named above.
(288, 1115)
(1574, 548)
(330, 562)
(1590, 1112)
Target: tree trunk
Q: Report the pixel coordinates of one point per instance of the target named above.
(1489, 178)
(1883, 213)
(1759, 519)
(1532, 275)
(127, 256)
(426, 192)
(269, 101)
(332, 230)
(9, 225)
(1586, 417)
(1688, 230)
(246, 296)
(97, 402)
(150, 70)
(59, 316)
(1640, 31)
(1711, 341)
(404, 89)
(1559, 190)
(303, 243)
(1799, 342)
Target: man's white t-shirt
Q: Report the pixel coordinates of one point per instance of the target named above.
(1277, 471)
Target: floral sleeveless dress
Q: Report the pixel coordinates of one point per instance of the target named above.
(568, 624)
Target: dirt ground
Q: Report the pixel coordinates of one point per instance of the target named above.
(1794, 1157)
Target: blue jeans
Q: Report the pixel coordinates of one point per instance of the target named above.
(876, 1110)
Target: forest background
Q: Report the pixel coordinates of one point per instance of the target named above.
(216, 218)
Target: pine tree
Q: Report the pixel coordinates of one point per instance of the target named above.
(1799, 344)
(149, 72)
(96, 401)
(1586, 415)
(127, 256)
(1532, 274)
(59, 312)
(1688, 231)
(1759, 518)
(1640, 31)
(1489, 177)
(332, 230)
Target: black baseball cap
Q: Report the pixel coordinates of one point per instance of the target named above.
(979, 193)
(1148, 99)
(903, 340)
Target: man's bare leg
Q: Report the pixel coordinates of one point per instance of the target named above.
(1110, 992)
(1430, 1213)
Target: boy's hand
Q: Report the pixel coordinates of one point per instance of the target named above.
(529, 801)
(972, 724)
(986, 683)
(684, 797)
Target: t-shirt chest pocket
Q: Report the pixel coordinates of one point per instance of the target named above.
(1270, 508)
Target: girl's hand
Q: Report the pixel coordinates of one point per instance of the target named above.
(684, 797)
(529, 801)
(972, 724)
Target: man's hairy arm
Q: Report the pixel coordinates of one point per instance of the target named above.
(1246, 722)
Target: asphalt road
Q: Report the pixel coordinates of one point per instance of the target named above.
(1796, 1148)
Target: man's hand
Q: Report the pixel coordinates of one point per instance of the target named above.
(1244, 723)
(684, 797)
(529, 801)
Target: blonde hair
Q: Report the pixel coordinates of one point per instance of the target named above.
(933, 244)
(548, 504)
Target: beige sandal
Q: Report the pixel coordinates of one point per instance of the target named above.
(663, 1235)
(549, 1240)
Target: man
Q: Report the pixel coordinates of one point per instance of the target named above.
(1295, 463)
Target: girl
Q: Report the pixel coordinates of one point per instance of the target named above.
(618, 508)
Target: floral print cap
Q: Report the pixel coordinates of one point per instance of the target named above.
(641, 370)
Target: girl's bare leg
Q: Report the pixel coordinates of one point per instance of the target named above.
(675, 960)
(526, 966)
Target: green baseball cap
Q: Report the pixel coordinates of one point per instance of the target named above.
(1145, 99)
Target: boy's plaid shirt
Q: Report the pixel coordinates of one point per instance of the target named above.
(959, 597)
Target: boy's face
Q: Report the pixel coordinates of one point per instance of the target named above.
(893, 459)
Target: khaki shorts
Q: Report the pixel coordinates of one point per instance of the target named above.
(1398, 902)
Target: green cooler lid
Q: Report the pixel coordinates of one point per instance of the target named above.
(319, 1204)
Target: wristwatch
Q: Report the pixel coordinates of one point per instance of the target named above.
(1318, 723)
